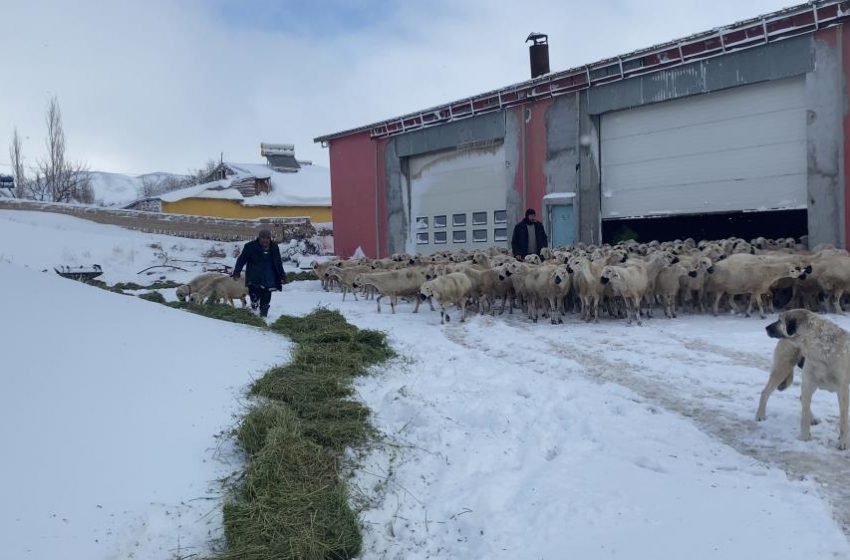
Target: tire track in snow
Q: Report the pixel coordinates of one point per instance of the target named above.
(704, 407)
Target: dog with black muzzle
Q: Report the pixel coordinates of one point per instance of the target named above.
(826, 349)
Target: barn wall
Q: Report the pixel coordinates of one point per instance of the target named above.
(552, 146)
(535, 153)
(398, 221)
(220, 208)
(590, 195)
(824, 141)
(486, 128)
(354, 177)
(773, 61)
(844, 56)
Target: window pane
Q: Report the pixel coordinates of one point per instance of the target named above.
(479, 235)
(458, 220)
(459, 236)
(500, 217)
(422, 238)
(500, 234)
(439, 221)
(440, 237)
(479, 218)
(422, 222)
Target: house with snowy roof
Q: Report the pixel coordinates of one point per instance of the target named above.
(282, 187)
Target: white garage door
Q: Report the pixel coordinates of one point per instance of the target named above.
(457, 199)
(738, 149)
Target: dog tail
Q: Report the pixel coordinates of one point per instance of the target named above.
(786, 382)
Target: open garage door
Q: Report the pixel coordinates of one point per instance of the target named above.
(457, 199)
(742, 149)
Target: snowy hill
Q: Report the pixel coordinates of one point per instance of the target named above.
(117, 189)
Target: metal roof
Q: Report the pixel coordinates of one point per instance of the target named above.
(771, 27)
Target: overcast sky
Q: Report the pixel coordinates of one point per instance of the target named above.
(165, 85)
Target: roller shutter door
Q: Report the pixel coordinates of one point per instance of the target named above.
(737, 149)
(457, 199)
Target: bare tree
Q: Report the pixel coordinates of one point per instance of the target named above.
(54, 166)
(204, 174)
(16, 156)
(149, 187)
(155, 185)
(57, 179)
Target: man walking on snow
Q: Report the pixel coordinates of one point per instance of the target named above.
(264, 272)
(529, 236)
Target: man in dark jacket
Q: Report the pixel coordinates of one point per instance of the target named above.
(264, 272)
(529, 236)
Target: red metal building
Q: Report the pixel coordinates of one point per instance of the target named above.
(588, 148)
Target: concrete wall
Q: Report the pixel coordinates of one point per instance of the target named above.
(843, 48)
(589, 194)
(514, 156)
(825, 141)
(562, 150)
(398, 210)
(397, 216)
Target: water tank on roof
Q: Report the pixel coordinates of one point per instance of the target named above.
(276, 149)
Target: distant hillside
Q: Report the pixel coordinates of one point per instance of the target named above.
(117, 189)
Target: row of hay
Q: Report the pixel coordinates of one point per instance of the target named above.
(291, 502)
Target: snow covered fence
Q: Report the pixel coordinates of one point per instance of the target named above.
(193, 227)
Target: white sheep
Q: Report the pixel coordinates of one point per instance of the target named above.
(197, 283)
(224, 289)
(394, 284)
(454, 287)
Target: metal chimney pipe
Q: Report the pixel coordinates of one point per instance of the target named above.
(538, 54)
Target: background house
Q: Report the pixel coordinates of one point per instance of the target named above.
(283, 187)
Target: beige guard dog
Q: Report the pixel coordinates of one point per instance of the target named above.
(826, 348)
(786, 356)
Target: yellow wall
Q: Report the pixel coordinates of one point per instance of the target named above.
(222, 208)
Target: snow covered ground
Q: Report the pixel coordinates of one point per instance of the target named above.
(514, 440)
(42, 241)
(505, 439)
(109, 414)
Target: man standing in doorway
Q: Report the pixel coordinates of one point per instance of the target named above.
(529, 236)
(264, 273)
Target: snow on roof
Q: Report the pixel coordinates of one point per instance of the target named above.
(214, 189)
(559, 196)
(309, 186)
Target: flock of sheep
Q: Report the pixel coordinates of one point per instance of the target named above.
(628, 280)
